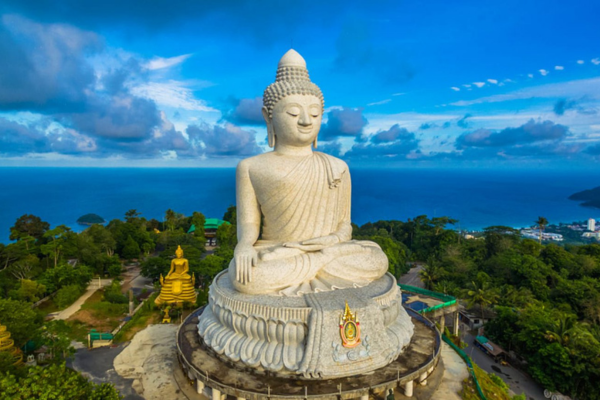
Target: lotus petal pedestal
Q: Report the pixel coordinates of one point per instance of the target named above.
(302, 336)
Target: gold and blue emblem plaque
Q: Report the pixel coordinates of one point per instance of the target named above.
(349, 328)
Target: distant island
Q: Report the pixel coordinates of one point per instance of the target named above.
(590, 198)
(90, 219)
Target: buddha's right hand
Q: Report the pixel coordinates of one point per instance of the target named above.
(245, 258)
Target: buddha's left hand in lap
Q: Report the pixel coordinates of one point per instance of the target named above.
(315, 244)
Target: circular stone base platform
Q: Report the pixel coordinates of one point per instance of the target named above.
(303, 336)
(412, 367)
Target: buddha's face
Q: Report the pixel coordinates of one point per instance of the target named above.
(296, 120)
(179, 253)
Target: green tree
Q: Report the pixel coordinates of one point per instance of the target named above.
(13, 252)
(56, 238)
(481, 294)
(198, 220)
(29, 291)
(55, 335)
(25, 268)
(227, 235)
(131, 249)
(131, 216)
(20, 320)
(170, 219)
(211, 265)
(231, 215)
(568, 332)
(431, 273)
(153, 267)
(63, 275)
(54, 382)
(28, 225)
(541, 223)
(102, 238)
(395, 253)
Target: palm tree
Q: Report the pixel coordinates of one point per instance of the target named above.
(480, 294)
(566, 331)
(170, 217)
(541, 223)
(430, 274)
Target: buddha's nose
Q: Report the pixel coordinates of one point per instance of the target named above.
(304, 119)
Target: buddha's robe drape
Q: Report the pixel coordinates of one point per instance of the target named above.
(312, 201)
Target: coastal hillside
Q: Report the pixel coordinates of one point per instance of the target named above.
(589, 198)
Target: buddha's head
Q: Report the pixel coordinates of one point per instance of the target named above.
(293, 105)
(179, 252)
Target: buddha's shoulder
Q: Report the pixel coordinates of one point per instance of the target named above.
(334, 161)
(251, 162)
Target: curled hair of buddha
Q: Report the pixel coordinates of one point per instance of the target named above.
(292, 78)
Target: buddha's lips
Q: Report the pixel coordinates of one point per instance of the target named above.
(306, 130)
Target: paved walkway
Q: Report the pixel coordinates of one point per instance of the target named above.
(73, 308)
(455, 373)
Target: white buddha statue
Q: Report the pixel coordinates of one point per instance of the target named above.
(303, 199)
(275, 309)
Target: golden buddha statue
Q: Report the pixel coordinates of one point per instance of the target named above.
(8, 345)
(178, 285)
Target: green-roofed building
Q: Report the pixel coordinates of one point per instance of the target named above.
(210, 230)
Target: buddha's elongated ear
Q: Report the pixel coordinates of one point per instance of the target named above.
(270, 131)
(315, 142)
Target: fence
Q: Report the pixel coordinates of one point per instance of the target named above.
(447, 299)
(467, 359)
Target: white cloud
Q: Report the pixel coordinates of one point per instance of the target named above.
(467, 86)
(559, 67)
(544, 72)
(494, 81)
(530, 75)
(378, 103)
(576, 88)
(596, 61)
(398, 94)
(455, 89)
(172, 93)
(580, 61)
(479, 84)
(160, 62)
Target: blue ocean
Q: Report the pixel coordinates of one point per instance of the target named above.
(477, 198)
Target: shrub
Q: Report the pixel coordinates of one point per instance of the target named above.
(499, 382)
(67, 295)
(114, 270)
(113, 294)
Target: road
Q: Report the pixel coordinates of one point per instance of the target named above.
(517, 381)
(134, 281)
(412, 277)
(97, 365)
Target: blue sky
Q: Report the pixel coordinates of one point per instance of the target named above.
(406, 84)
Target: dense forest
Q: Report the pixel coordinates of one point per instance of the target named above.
(546, 297)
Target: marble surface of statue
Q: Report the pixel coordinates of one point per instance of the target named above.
(178, 285)
(301, 297)
(303, 197)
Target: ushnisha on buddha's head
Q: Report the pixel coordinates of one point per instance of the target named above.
(179, 252)
(293, 105)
